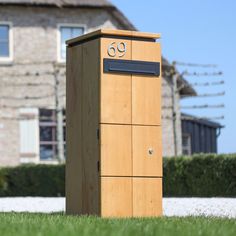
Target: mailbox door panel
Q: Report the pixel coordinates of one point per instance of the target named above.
(146, 90)
(147, 151)
(146, 51)
(115, 89)
(116, 159)
(147, 197)
(116, 197)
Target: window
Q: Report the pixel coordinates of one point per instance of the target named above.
(186, 144)
(5, 41)
(29, 135)
(48, 134)
(67, 32)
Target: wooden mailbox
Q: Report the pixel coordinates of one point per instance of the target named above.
(113, 122)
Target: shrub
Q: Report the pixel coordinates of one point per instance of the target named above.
(33, 180)
(197, 176)
(200, 176)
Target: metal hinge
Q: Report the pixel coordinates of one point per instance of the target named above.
(98, 134)
(98, 166)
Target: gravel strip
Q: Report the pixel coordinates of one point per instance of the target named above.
(32, 204)
(219, 207)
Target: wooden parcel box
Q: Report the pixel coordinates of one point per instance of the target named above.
(113, 124)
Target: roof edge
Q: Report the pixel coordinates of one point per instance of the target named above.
(110, 8)
(122, 19)
(200, 120)
(184, 87)
(112, 32)
(38, 4)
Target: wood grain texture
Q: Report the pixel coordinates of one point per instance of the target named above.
(116, 197)
(74, 144)
(90, 117)
(112, 32)
(82, 176)
(113, 119)
(146, 90)
(115, 89)
(147, 197)
(116, 157)
(116, 99)
(146, 139)
(146, 51)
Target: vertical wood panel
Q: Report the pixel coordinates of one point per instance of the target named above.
(116, 197)
(116, 157)
(208, 140)
(196, 138)
(146, 102)
(213, 140)
(90, 117)
(203, 136)
(145, 139)
(147, 197)
(115, 88)
(74, 144)
(146, 90)
(214, 137)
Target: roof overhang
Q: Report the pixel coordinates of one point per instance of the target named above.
(89, 4)
(184, 87)
(202, 121)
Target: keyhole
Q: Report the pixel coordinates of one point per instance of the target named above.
(150, 151)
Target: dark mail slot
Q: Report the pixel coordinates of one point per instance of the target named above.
(131, 67)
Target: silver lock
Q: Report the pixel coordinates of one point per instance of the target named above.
(150, 151)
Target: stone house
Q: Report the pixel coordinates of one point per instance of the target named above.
(32, 58)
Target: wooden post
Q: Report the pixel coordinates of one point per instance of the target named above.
(114, 143)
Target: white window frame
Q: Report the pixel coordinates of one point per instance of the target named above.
(187, 148)
(59, 59)
(29, 118)
(51, 123)
(10, 58)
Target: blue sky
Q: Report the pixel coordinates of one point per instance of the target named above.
(196, 32)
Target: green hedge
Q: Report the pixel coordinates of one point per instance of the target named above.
(200, 176)
(33, 180)
(196, 176)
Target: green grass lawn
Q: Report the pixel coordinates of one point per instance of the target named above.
(24, 224)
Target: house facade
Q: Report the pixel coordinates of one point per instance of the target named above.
(199, 135)
(32, 74)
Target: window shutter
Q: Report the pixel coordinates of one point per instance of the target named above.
(29, 135)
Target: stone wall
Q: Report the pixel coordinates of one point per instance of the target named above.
(35, 47)
(167, 120)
